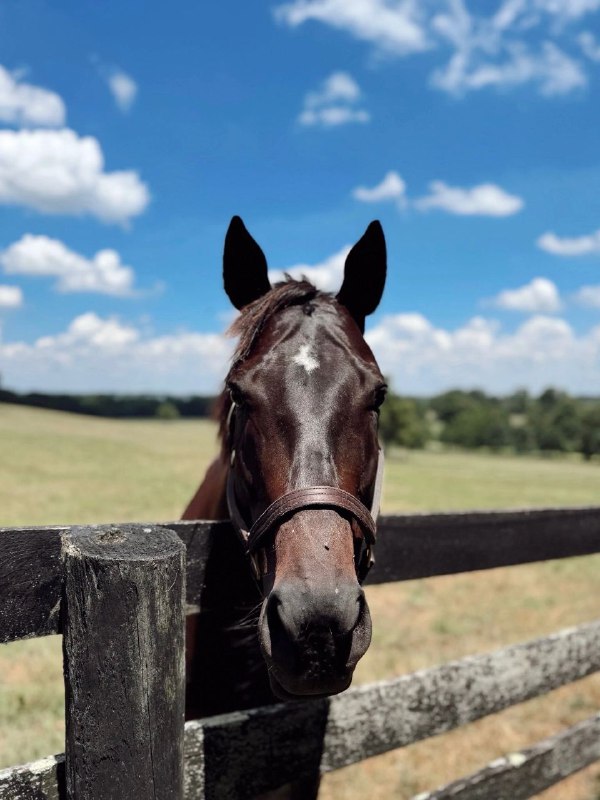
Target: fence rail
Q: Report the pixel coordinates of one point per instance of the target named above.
(526, 773)
(61, 579)
(409, 546)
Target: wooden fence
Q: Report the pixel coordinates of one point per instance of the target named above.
(118, 595)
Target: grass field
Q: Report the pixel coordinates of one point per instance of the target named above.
(59, 468)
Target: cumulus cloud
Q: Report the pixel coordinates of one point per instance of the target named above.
(24, 104)
(59, 172)
(391, 188)
(10, 296)
(551, 69)
(422, 358)
(486, 199)
(41, 256)
(538, 296)
(518, 42)
(334, 103)
(105, 354)
(565, 246)
(326, 275)
(589, 45)
(588, 296)
(123, 88)
(396, 28)
(97, 353)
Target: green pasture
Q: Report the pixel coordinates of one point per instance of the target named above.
(59, 468)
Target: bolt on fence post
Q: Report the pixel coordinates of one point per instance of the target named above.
(123, 645)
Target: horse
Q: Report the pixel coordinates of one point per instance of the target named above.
(284, 616)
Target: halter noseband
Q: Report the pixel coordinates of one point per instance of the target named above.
(327, 497)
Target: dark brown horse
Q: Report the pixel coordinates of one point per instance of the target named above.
(297, 476)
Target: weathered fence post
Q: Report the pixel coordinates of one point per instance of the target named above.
(123, 634)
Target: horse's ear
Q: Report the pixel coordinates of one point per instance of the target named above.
(244, 266)
(364, 274)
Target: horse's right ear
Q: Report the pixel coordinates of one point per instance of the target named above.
(244, 266)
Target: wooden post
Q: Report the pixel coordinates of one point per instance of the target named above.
(123, 634)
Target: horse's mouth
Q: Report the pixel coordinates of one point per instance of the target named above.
(303, 690)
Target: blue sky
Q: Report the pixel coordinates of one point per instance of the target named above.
(131, 132)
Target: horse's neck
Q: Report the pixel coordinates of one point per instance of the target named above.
(225, 669)
(209, 501)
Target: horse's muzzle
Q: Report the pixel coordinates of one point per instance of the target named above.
(312, 639)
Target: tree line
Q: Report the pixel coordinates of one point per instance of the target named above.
(114, 405)
(554, 421)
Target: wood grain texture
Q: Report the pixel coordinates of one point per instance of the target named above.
(409, 546)
(528, 772)
(39, 780)
(123, 628)
(236, 755)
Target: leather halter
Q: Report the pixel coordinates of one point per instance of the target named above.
(328, 497)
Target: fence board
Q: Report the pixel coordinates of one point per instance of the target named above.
(527, 773)
(409, 546)
(423, 545)
(39, 780)
(246, 752)
(370, 720)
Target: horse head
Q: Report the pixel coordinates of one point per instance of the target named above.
(300, 424)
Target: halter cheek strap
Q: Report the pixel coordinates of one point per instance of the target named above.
(328, 497)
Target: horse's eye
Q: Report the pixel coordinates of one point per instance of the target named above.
(379, 397)
(235, 394)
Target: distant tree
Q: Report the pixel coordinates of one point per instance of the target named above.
(450, 404)
(518, 402)
(400, 423)
(167, 410)
(556, 421)
(522, 437)
(480, 426)
(590, 432)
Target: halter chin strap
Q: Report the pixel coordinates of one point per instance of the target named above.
(329, 497)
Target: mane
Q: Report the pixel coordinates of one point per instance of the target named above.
(252, 320)
(254, 316)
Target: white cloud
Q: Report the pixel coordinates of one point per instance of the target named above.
(10, 297)
(58, 172)
(23, 104)
(334, 103)
(332, 117)
(589, 45)
(566, 10)
(588, 296)
(518, 42)
(39, 255)
(486, 199)
(575, 246)
(123, 88)
(392, 187)
(326, 275)
(105, 354)
(422, 358)
(538, 296)
(394, 28)
(551, 69)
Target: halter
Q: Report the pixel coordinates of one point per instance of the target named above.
(328, 497)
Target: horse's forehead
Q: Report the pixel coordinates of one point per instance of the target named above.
(308, 345)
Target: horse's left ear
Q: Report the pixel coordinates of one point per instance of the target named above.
(364, 274)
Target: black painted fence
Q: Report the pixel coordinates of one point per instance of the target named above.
(124, 675)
